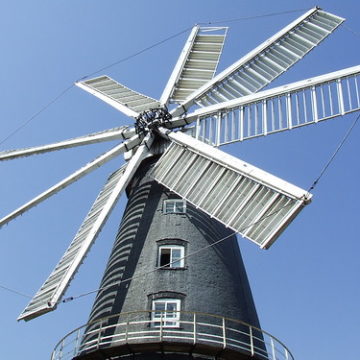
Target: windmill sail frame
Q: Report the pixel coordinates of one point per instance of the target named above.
(266, 62)
(252, 202)
(231, 107)
(49, 295)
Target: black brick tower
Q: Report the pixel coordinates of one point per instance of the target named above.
(211, 279)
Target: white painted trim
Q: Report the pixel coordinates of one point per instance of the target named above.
(124, 109)
(220, 77)
(164, 319)
(174, 201)
(238, 165)
(124, 180)
(109, 135)
(171, 262)
(93, 165)
(262, 95)
(179, 66)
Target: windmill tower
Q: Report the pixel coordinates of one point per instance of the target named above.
(175, 283)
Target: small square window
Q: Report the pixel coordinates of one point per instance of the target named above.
(171, 256)
(165, 312)
(177, 206)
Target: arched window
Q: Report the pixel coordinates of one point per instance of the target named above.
(165, 312)
(174, 206)
(171, 256)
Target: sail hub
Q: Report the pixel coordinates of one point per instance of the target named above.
(150, 119)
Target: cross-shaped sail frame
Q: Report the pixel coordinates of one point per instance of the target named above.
(215, 110)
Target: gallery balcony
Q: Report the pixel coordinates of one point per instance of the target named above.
(181, 333)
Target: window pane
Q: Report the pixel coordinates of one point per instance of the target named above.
(171, 323)
(169, 206)
(159, 306)
(171, 256)
(165, 256)
(176, 255)
(170, 317)
(179, 206)
(174, 206)
(170, 306)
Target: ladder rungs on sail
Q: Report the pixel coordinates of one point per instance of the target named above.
(122, 132)
(279, 109)
(47, 297)
(244, 198)
(275, 59)
(197, 63)
(119, 96)
(266, 62)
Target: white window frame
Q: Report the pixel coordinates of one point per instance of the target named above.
(173, 208)
(163, 318)
(173, 262)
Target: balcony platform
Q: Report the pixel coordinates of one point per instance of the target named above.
(199, 335)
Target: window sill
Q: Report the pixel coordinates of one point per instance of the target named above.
(174, 268)
(174, 213)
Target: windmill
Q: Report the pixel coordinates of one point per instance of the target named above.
(231, 108)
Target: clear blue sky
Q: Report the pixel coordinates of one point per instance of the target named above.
(306, 286)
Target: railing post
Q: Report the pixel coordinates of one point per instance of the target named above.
(61, 349)
(77, 342)
(127, 328)
(273, 349)
(161, 326)
(251, 340)
(194, 327)
(224, 332)
(53, 355)
(99, 335)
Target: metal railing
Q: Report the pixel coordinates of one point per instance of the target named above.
(218, 334)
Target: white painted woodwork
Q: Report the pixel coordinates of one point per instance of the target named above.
(197, 63)
(128, 101)
(267, 61)
(283, 108)
(50, 293)
(248, 200)
(119, 133)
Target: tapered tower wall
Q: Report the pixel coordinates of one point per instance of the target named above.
(212, 279)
